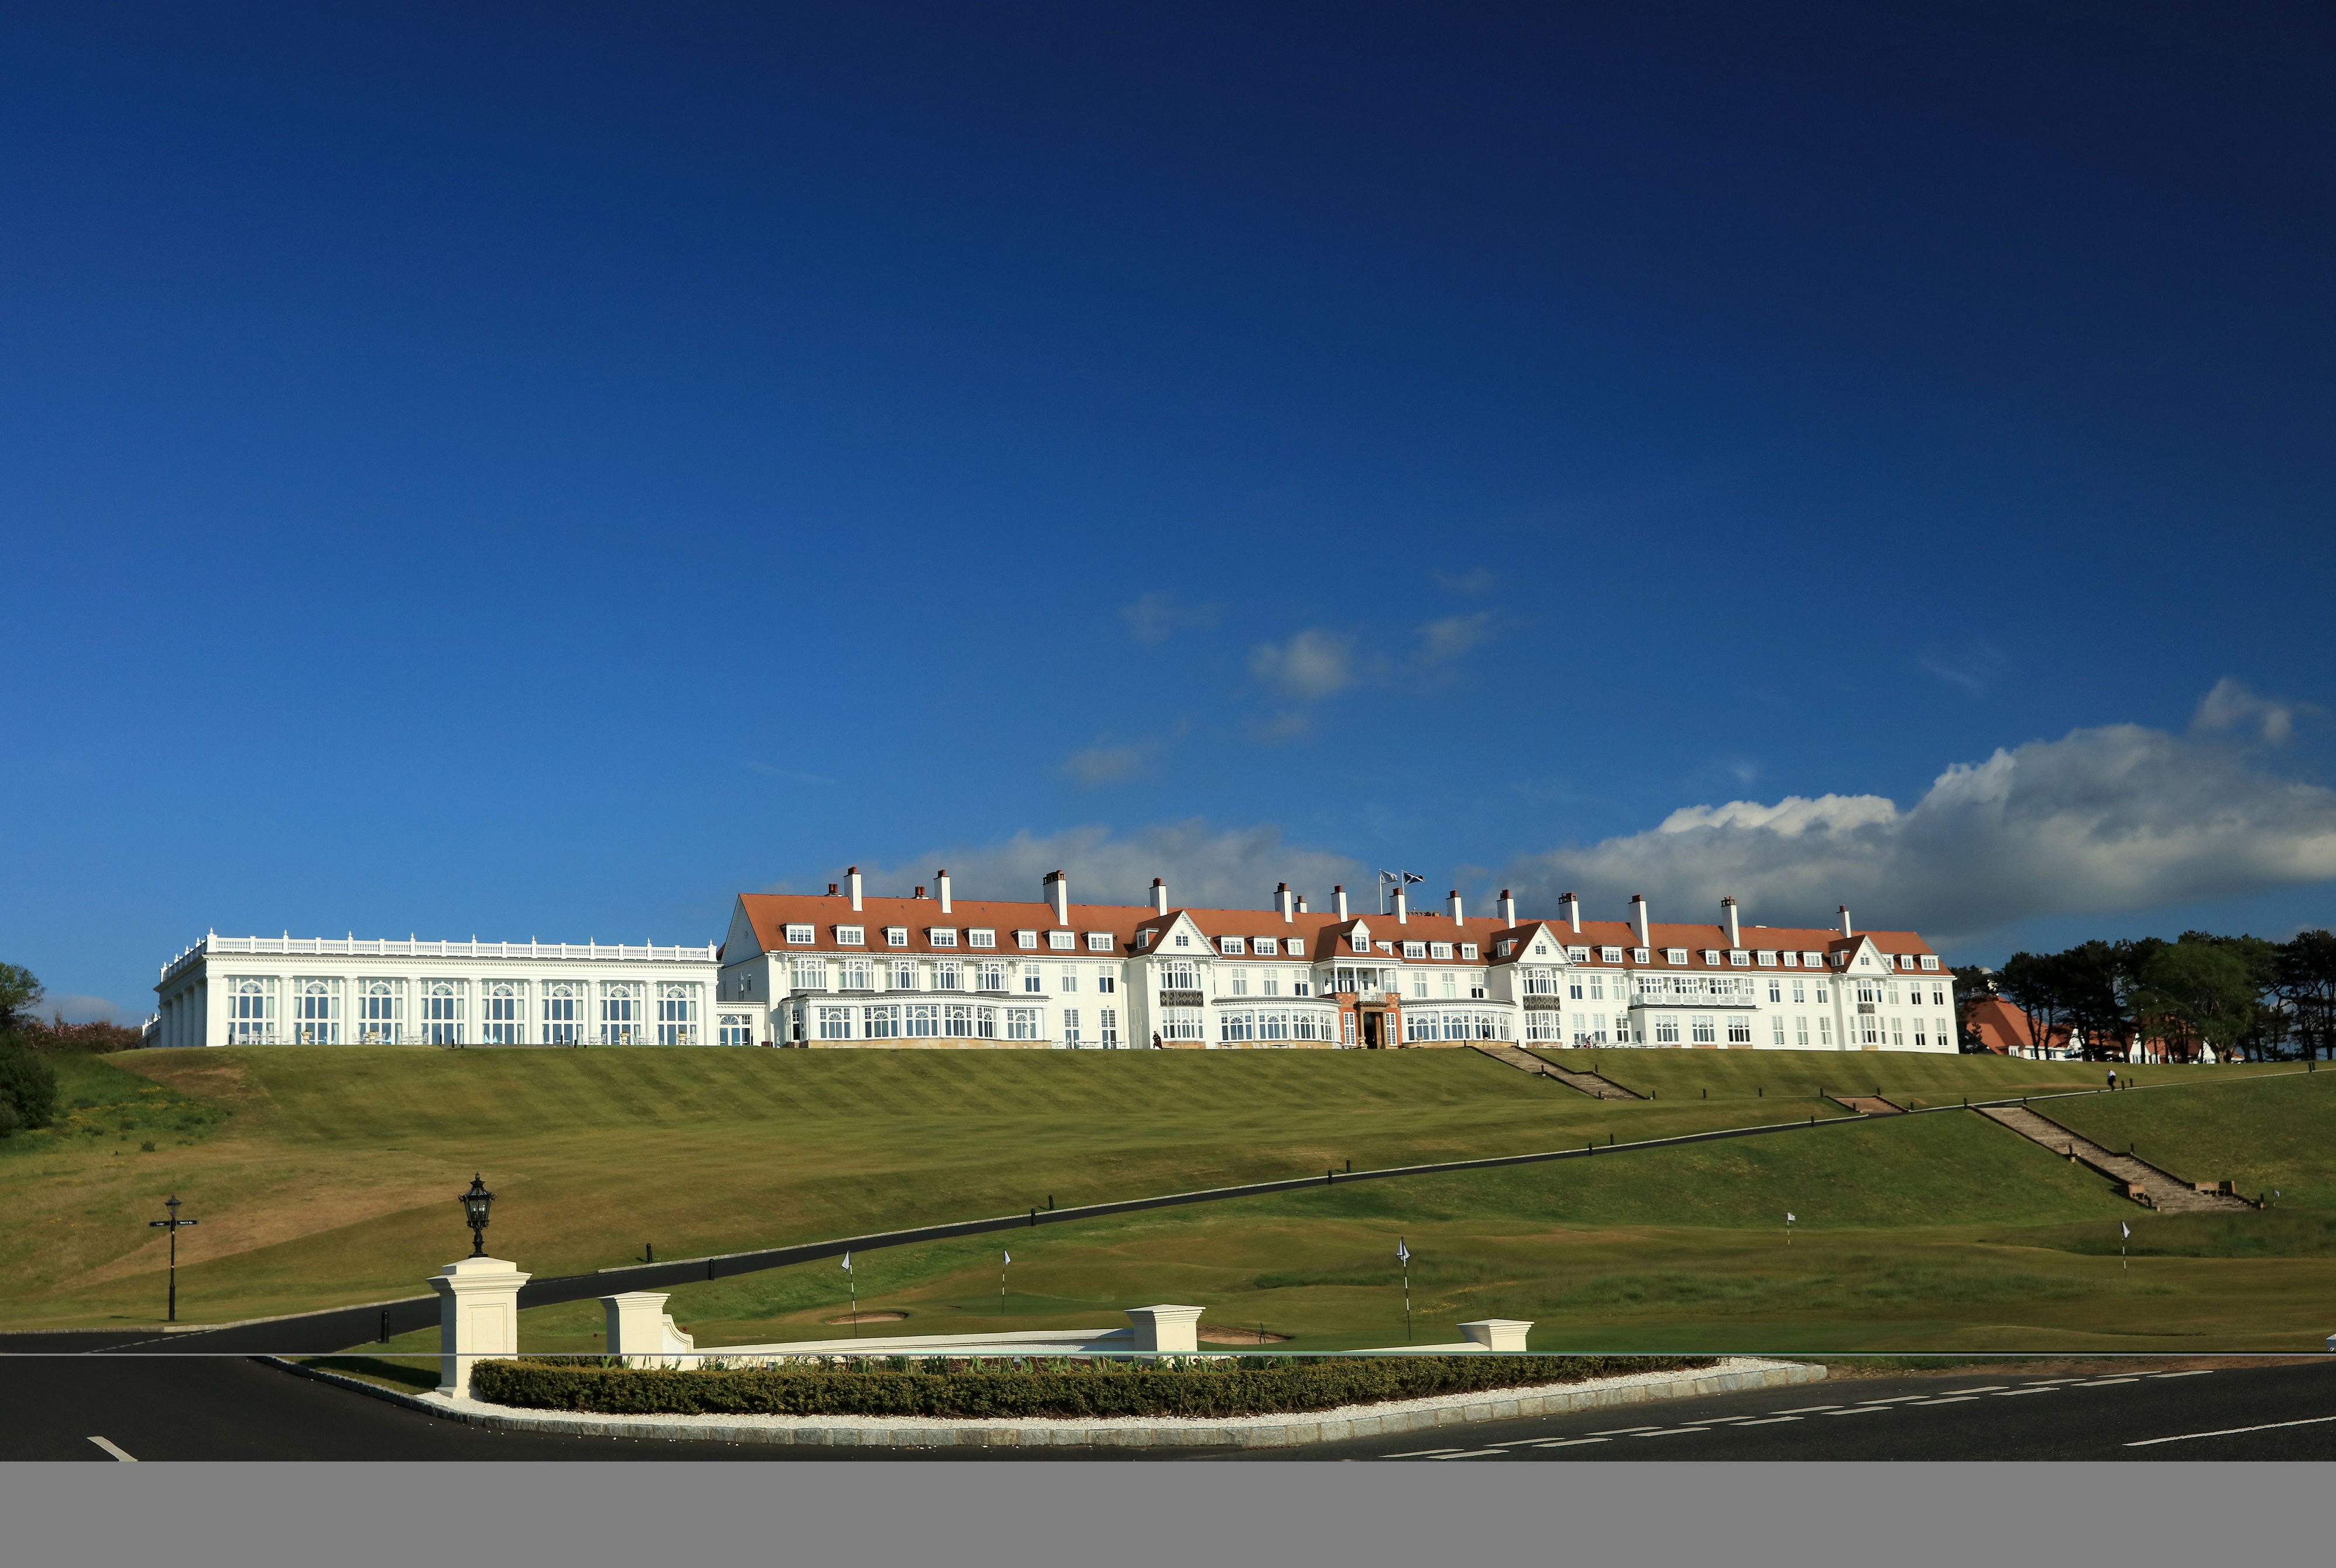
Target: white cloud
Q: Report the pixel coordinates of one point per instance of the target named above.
(1205, 865)
(1476, 579)
(2099, 821)
(2232, 705)
(1453, 636)
(1153, 616)
(1100, 763)
(90, 1010)
(1313, 664)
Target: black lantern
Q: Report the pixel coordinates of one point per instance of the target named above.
(475, 1205)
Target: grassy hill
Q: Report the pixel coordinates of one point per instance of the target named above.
(327, 1174)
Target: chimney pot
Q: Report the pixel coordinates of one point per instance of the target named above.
(1339, 898)
(832, 890)
(1159, 896)
(1508, 908)
(1639, 918)
(941, 887)
(1458, 917)
(852, 879)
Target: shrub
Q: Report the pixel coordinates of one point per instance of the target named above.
(9, 1120)
(28, 1086)
(1090, 1389)
(95, 1039)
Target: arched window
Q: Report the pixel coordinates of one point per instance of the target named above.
(442, 1012)
(563, 1005)
(381, 1011)
(251, 1011)
(505, 1013)
(620, 1013)
(316, 1012)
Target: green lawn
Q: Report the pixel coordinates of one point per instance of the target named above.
(2257, 1135)
(332, 1181)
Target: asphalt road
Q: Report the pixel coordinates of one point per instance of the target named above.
(57, 1401)
(2246, 1413)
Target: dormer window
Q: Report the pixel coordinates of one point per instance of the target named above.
(1362, 943)
(1026, 940)
(799, 936)
(1767, 960)
(1231, 946)
(941, 936)
(1930, 960)
(850, 935)
(1062, 941)
(1387, 948)
(1440, 949)
(1415, 949)
(1265, 947)
(896, 935)
(1295, 946)
(1711, 956)
(1811, 961)
(1098, 942)
(1611, 955)
(1674, 955)
(980, 937)
(1738, 959)
(1791, 961)
(1143, 938)
(1468, 952)
(1642, 956)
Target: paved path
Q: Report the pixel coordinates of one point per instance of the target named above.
(1597, 1085)
(2168, 1193)
(160, 1409)
(1870, 1104)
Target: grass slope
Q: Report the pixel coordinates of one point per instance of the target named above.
(332, 1181)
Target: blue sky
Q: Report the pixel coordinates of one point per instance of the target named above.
(540, 470)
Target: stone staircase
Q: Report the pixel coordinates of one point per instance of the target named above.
(1591, 1083)
(1868, 1104)
(2137, 1178)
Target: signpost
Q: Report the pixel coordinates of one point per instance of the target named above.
(173, 1224)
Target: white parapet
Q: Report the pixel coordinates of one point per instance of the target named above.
(1166, 1330)
(642, 1331)
(1504, 1335)
(478, 1317)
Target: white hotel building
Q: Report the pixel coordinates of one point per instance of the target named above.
(357, 991)
(852, 971)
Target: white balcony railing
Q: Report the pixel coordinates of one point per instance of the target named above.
(414, 948)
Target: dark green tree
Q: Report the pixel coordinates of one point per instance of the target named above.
(28, 1086)
(2305, 983)
(2036, 985)
(2202, 990)
(20, 993)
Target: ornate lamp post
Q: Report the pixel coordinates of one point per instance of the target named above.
(475, 1205)
(173, 1224)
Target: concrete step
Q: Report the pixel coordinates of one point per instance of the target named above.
(1591, 1084)
(2157, 1189)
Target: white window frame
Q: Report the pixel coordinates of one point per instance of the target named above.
(1099, 941)
(1026, 940)
(802, 936)
(980, 936)
(852, 936)
(503, 1012)
(1232, 946)
(563, 1004)
(896, 935)
(941, 936)
(1062, 941)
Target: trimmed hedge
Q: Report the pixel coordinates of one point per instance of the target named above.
(1073, 1389)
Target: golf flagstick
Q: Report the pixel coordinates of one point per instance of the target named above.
(1403, 1256)
(1789, 1227)
(853, 1279)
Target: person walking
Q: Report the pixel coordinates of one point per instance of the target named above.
(2112, 1077)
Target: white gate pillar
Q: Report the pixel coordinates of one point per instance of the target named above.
(478, 1317)
(642, 1331)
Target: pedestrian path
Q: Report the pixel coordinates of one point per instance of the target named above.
(1868, 1104)
(2160, 1190)
(1596, 1087)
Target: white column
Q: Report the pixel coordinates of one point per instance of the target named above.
(1504, 1335)
(478, 1317)
(642, 1331)
(1166, 1330)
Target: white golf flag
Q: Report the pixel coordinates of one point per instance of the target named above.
(1790, 1217)
(847, 1262)
(1402, 1253)
(1009, 1258)
(2126, 1228)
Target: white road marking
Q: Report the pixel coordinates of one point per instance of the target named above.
(1953, 1399)
(1625, 1431)
(1982, 1388)
(2109, 1382)
(1479, 1454)
(116, 1452)
(1862, 1411)
(1894, 1399)
(1420, 1453)
(1803, 1409)
(2231, 1431)
(2199, 1372)
(1772, 1421)
(1570, 1442)
(1674, 1431)
(2016, 1393)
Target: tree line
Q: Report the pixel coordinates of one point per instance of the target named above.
(2244, 996)
(28, 1084)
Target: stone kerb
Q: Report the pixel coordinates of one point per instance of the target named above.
(478, 1317)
